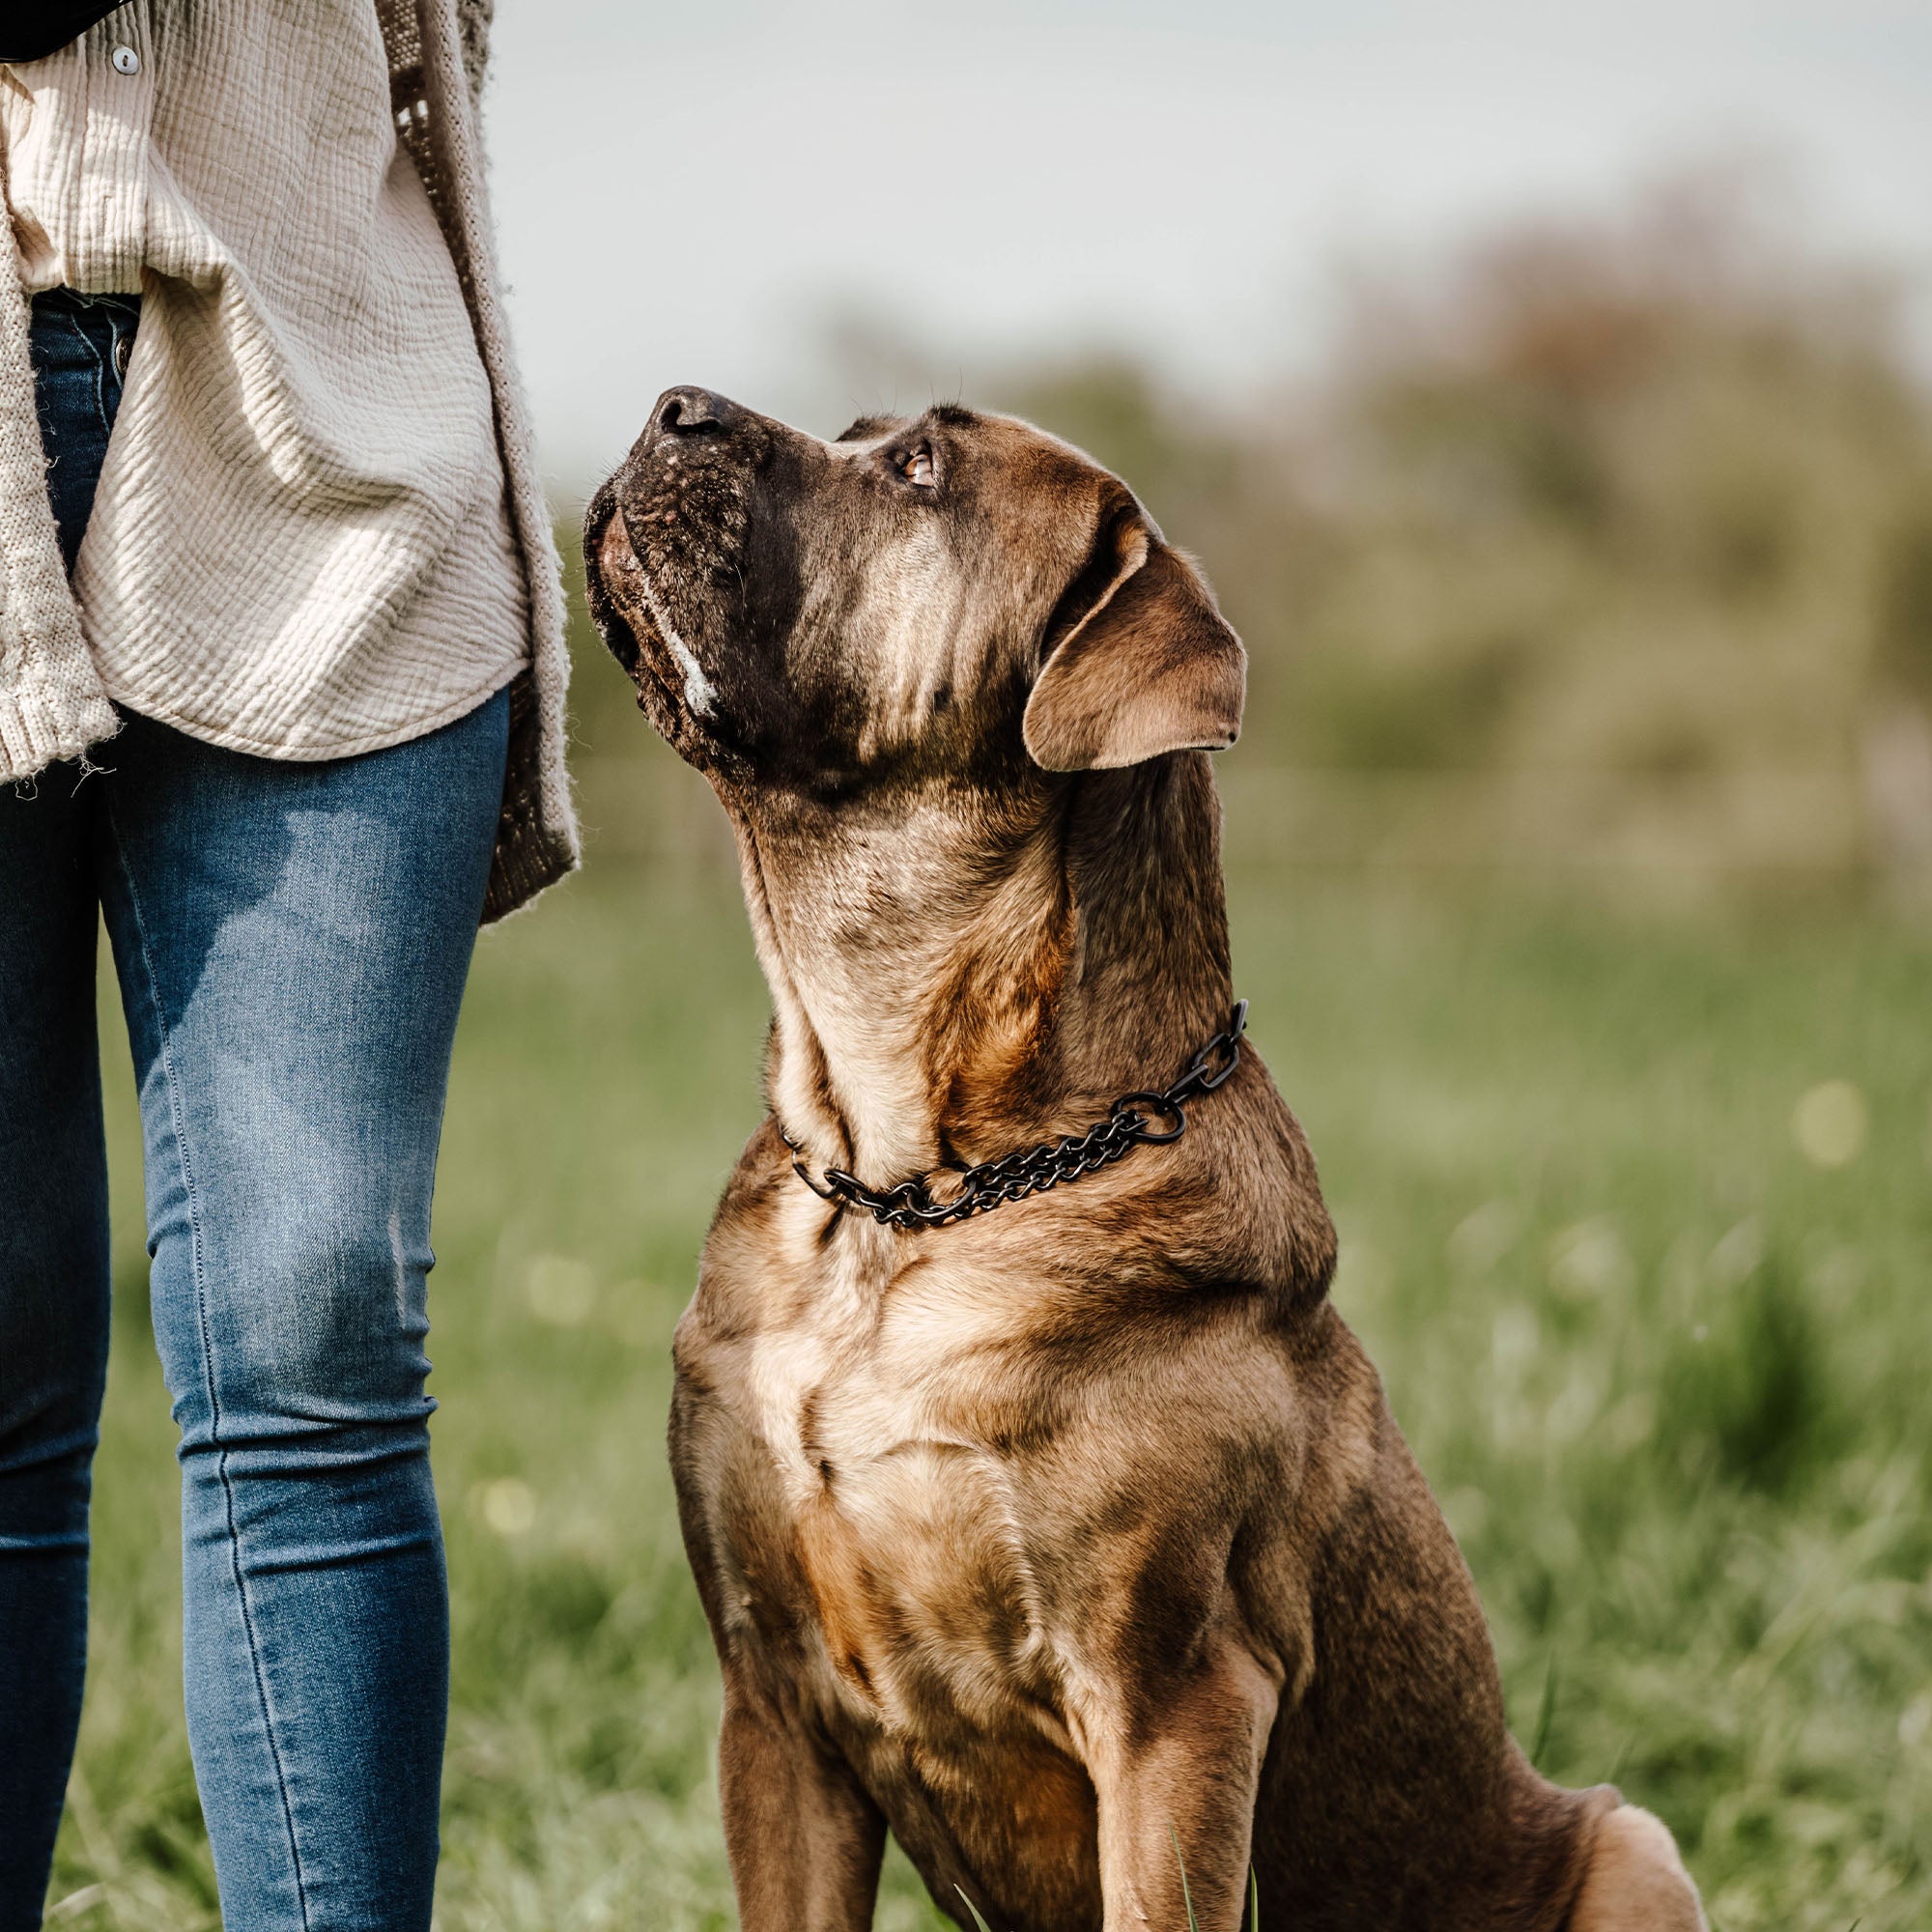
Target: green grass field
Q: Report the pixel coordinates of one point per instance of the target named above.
(1667, 1370)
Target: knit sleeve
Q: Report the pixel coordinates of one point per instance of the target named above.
(472, 25)
(52, 701)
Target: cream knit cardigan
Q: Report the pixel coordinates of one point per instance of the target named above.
(52, 701)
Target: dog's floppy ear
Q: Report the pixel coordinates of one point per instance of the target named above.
(1138, 661)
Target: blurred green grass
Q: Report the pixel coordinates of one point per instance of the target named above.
(1599, 580)
(1667, 1375)
(1592, 577)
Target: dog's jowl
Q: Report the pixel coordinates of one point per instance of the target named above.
(1044, 1509)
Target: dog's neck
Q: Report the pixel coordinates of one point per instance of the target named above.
(949, 987)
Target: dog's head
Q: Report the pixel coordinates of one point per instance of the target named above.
(935, 598)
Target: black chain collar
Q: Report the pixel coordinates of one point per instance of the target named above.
(1135, 1118)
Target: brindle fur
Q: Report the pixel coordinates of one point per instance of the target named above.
(1079, 1534)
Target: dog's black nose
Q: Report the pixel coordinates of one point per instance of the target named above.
(689, 412)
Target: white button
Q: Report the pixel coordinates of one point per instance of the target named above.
(126, 60)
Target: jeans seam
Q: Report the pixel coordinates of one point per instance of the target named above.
(100, 373)
(179, 1127)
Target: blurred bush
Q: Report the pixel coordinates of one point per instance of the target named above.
(1606, 544)
(1617, 533)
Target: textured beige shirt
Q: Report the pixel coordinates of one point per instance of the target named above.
(300, 545)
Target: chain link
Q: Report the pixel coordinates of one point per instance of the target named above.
(1139, 1117)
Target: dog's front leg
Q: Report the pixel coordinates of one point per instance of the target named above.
(804, 1839)
(1177, 1775)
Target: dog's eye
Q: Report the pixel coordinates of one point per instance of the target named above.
(917, 467)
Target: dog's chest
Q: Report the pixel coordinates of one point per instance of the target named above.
(857, 1511)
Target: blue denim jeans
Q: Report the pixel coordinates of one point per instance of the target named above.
(81, 345)
(292, 942)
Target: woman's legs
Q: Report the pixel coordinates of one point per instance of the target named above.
(53, 1173)
(53, 1310)
(292, 941)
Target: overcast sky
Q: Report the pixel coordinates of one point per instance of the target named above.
(698, 193)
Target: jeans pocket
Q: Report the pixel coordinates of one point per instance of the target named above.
(82, 347)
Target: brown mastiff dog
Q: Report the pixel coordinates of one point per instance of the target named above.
(1071, 1538)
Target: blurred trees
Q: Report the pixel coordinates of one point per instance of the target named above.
(1620, 531)
(1606, 543)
